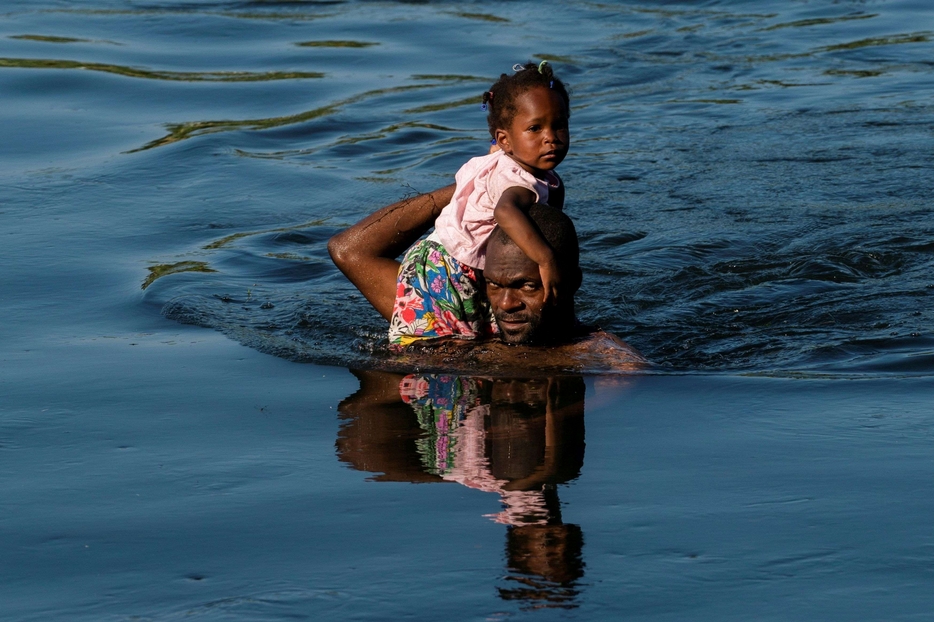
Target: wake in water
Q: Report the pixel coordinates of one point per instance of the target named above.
(752, 193)
(818, 296)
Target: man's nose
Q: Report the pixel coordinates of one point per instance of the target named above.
(509, 301)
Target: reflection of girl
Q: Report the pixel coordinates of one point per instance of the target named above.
(517, 439)
(463, 433)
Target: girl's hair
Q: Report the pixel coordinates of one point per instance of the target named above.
(500, 100)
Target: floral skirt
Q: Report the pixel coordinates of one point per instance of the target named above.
(437, 296)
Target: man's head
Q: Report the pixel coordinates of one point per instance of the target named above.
(514, 284)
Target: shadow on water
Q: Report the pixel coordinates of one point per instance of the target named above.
(518, 439)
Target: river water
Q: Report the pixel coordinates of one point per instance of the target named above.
(181, 434)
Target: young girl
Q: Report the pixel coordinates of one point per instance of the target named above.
(439, 286)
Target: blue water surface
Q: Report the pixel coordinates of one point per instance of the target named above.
(181, 434)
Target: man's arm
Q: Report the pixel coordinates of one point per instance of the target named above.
(366, 252)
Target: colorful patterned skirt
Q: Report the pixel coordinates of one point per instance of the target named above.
(437, 296)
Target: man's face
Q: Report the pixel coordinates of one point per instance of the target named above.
(514, 288)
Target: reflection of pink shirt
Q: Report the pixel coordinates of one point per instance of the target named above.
(467, 221)
(472, 469)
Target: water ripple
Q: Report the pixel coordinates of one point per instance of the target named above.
(176, 76)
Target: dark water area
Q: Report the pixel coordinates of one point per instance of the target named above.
(193, 422)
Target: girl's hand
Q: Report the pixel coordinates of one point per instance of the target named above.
(551, 281)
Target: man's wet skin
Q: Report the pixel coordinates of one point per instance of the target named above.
(514, 289)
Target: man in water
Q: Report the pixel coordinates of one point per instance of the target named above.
(366, 254)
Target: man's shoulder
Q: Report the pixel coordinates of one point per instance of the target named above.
(596, 349)
(590, 351)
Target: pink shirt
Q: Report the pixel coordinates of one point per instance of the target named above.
(466, 223)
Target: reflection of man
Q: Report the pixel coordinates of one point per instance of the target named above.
(366, 254)
(519, 439)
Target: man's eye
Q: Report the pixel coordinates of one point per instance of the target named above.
(529, 287)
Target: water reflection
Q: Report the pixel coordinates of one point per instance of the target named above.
(516, 438)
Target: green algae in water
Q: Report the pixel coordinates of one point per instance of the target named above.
(704, 101)
(255, 15)
(160, 270)
(175, 76)
(383, 133)
(484, 17)
(184, 131)
(789, 85)
(633, 35)
(50, 39)
(467, 101)
(224, 241)
(820, 21)
(855, 73)
(305, 17)
(336, 44)
(288, 256)
(921, 37)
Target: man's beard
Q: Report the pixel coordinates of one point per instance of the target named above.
(528, 334)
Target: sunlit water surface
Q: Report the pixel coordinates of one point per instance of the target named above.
(752, 185)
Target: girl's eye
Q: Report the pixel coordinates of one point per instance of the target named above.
(534, 128)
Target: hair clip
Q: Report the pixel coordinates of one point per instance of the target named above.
(487, 97)
(493, 142)
(542, 64)
(517, 67)
(551, 84)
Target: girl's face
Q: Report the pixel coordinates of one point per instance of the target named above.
(538, 137)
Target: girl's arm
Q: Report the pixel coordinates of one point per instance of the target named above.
(510, 213)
